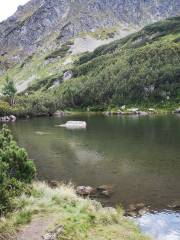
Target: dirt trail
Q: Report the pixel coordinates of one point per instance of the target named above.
(36, 229)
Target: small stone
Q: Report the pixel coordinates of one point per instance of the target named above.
(132, 207)
(131, 214)
(142, 211)
(140, 205)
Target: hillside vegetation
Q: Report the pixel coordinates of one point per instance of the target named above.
(141, 68)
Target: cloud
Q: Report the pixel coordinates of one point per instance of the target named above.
(8, 7)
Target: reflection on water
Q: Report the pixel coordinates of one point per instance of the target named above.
(139, 156)
(161, 226)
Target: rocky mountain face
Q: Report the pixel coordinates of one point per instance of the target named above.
(49, 23)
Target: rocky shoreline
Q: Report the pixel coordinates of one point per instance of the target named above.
(6, 119)
(136, 111)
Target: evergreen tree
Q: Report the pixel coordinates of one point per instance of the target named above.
(9, 90)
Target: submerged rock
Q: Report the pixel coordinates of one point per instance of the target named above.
(175, 205)
(104, 187)
(59, 113)
(105, 190)
(133, 110)
(135, 210)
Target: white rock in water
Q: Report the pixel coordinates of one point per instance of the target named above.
(74, 124)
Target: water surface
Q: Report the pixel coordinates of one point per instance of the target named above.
(139, 156)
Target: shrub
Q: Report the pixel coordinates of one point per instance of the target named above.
(38, 104)
(16, 170)
(141, 68)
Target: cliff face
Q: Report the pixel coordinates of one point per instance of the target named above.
(55, 21)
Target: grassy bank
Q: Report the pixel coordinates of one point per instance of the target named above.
(82, 219)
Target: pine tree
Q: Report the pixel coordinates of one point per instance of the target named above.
(9, 90)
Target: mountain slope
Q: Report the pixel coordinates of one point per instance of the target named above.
(46, 24)
(143, 68)
(140, 69)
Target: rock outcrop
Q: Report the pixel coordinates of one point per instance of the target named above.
(48, 23)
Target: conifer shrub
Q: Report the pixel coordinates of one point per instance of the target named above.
(16, 170)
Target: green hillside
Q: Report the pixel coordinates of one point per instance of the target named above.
(141, 68)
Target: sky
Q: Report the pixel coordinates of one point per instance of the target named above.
(8, 7)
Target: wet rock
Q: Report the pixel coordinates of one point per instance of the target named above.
(135, 210)
(53, 184)
(140, 205)
(177, 110)
(10, 118)
(54, 234)
(5, 119)
(105, 190)
(143, 211)
(106, 193)
(131, 214)
(59, 113)
(132, 207)
(142, 113)
(13, 118)
(74, 125)
(85, 190)
(175, 205)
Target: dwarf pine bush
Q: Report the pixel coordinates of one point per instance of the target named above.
(16, 170)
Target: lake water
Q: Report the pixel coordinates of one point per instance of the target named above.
(139, 156)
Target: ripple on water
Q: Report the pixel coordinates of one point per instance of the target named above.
(161, 226)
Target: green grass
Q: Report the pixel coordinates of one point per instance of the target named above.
(23, 217)
(82, 219)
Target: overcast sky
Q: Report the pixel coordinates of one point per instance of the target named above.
(8, 7)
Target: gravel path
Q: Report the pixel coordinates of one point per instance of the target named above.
(36, 229)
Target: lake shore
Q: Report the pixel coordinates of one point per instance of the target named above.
(60, 211)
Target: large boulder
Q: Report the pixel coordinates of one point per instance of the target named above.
(74, 125)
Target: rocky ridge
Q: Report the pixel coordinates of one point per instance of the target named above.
(49, 23)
